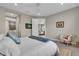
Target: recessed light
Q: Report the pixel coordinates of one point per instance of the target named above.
(15, 4)
(61, 3)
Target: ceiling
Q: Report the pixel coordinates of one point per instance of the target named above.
(39, 9)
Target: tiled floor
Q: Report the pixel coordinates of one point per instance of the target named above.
(74, 50)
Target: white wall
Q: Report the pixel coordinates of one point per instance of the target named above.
(24, 19)
(71, 23)
(41, 21)
(2, 21)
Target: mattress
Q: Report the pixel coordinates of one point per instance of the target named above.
(31, 47)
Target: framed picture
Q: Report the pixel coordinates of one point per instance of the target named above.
(60, 24)
(12, 25)
(28, 26)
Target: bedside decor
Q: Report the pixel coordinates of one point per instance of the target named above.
(60, 24)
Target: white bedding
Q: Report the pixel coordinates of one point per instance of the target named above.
(32, 47)
(28, 47)
(8, 47)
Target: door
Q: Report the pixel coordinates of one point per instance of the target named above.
(35, 27)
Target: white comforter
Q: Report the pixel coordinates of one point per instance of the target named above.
(8, 47)
(32, 47)
(28, 47)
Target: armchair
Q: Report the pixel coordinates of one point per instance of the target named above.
(65, 38)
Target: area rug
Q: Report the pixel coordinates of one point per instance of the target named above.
(65, 52)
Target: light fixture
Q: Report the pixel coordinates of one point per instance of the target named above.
(61, 3)
(15, 4)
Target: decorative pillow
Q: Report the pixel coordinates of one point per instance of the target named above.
(14, 37)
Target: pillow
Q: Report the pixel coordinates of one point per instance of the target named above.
(14, 37)
(9, 48)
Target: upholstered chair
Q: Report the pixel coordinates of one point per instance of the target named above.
(66, 39)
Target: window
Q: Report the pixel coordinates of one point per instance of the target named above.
(11, 21)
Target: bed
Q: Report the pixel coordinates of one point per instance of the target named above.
(28, 47)
(33, 47)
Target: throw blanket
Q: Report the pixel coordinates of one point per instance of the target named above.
(42, 39)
